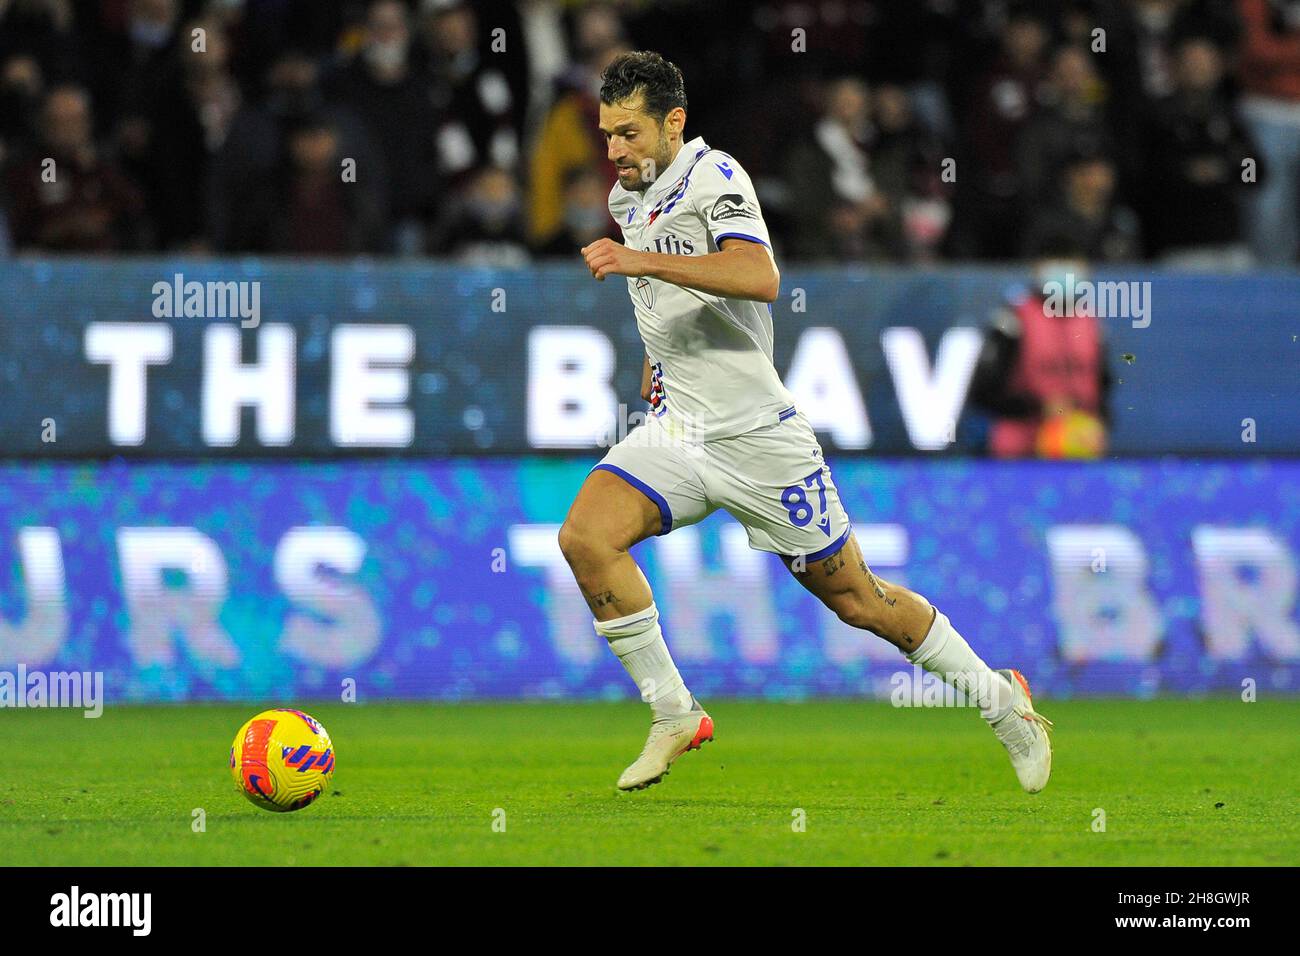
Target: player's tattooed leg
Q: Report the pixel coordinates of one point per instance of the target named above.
(833, 563)
(599, 600)
(606, 519)
(847, 586)
(875, 584)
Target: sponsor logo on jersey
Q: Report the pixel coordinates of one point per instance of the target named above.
(672, 245)
(731, 206)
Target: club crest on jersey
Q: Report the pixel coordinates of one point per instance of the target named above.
(731, 206)
(646, 292)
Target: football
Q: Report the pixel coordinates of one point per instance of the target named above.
(282, 760)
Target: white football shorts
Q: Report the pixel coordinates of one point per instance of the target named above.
(773, 480)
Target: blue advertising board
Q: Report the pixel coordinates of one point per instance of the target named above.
(443, 580)
(149, 358)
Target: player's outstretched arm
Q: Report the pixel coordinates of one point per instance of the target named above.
(740, 270)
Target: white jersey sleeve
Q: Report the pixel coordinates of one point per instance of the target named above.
(722, 193)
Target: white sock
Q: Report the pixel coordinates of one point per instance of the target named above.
(945, 652)
(639, 644)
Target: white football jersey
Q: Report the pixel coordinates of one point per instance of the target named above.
(710, 357)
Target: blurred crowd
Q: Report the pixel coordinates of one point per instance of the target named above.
(875, 130)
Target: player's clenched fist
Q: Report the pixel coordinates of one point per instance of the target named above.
(606, 257)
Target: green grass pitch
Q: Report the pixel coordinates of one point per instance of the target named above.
(1211, 782)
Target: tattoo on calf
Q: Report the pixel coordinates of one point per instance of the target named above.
(601, 600)
(880, 592)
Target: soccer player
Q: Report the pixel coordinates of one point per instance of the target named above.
(723, 432)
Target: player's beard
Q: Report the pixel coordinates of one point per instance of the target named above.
(661, 158)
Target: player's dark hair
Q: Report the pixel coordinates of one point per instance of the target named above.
(647, 73)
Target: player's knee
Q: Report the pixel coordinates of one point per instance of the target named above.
(571, 542)
(581, 546)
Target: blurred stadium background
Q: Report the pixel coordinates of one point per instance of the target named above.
(348, 455)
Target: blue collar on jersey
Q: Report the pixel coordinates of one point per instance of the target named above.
(694, 150)
(686, 157)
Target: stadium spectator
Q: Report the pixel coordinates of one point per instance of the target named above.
(1196, 146)
(569, 137)
(988, 215)
(381, 87)
(133, 66)
(187, 125)
(1071, 115)
(542, 26)
(315, 211)
(418, 94)
(836, 208)
(1086, 221)
(260, 31)
(1155, 20)
(66, 197)
(479, 122)
(1141, 39)
(43, 32)
(1270, 107)
(1147, 34)
(586, 213)
(1043, 374)
(21, 86)
(840, 33)
(907, 165)
(486, 226)
(249, 164)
